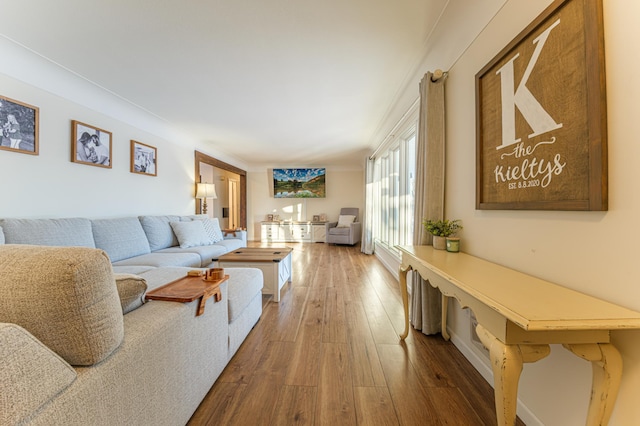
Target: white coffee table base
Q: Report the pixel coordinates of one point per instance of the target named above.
(276, 274)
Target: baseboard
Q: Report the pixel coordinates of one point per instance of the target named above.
(389, 259)
(480, 364)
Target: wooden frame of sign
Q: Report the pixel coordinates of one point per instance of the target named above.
(541, 115)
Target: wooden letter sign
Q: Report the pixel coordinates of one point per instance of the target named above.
(541, 117)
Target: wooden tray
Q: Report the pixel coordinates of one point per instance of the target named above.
(188, 289)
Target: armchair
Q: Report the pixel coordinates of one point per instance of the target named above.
(347, 230)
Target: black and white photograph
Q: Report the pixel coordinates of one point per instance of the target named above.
(19, 126)
(144, 159)
(90, 145)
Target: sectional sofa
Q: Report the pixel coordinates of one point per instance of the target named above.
(80, 345)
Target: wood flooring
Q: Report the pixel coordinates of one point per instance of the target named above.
(329, 354)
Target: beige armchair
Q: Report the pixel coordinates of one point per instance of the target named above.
(348, 228)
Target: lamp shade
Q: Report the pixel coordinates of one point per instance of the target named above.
(206, 190)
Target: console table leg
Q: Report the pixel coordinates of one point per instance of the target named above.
(405, 299)
(506, 363)
(445, 308)
(607, 372)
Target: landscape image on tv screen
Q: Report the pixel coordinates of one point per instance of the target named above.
(299, 183)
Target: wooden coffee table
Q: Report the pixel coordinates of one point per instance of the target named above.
(274, 262)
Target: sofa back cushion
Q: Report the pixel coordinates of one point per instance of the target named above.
(48, 232)
(159, 232)
(65, 296)
(121, 238)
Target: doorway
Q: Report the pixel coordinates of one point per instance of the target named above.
(231, 202)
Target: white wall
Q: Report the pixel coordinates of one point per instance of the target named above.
(50, 185)
(345, 188)
(592, 252)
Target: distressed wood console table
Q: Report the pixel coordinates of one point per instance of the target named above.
(519, 316)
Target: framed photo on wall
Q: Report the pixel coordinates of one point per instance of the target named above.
(541, 116)
(19, 123)
(144, 159)
(90, 145)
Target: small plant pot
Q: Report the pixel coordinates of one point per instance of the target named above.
(439, 243)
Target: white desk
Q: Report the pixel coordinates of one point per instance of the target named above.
(519, 316)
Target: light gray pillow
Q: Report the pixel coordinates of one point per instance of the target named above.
(212, 228)
(191, 234)
(131, 290)
(1, 236)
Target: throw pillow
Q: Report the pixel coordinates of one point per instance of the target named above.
(191, 234)
(344, 221)
(131, 289)
(211, 227)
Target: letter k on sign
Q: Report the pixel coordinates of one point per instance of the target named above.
(522, 98)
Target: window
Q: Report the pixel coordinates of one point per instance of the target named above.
(394, 189)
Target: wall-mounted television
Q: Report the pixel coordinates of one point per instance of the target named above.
(299, 183)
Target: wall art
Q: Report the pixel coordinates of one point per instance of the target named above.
(299, 183)
(541, 116)
(144, 159)
(90, 145)
(20, 123)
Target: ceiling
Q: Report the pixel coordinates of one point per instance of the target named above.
(268, 82)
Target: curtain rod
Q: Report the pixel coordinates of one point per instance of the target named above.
(438, 74)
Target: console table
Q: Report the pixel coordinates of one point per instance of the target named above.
(519, 316)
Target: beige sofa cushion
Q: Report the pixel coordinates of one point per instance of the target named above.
(131, 289)
(65, 296)
(30, 374)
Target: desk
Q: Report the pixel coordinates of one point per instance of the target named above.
(519, 316)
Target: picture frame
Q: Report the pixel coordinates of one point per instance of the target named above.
(316, 218)
(90, 145)
(269, 218)
(20, 126)
(541, 115)
(323, 217)
(308, 182)
(144, 159)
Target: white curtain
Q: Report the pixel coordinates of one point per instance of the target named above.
(366, 246)
(429, 203)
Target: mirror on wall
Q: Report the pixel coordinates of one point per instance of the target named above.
(230, 206)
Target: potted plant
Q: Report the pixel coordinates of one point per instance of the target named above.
(441, 229)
